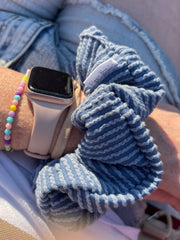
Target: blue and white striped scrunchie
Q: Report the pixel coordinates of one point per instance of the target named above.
(116, 161)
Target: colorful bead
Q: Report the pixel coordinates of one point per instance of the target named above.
(23, 81)
(8, 125)
(7, 131)
(7, 146)
(20, 89)
(10, 119)
(22, 84)
(19, 93)
(15, 102)
(7, 137)
(11, 114)
(25, 78)
(8, 149)
(7, 142)
(13, 108)
(17, 97)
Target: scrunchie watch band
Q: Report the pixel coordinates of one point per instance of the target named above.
(116, 161)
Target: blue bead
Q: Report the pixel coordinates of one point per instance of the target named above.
(7, 131)
(10, 119)
(17, 97)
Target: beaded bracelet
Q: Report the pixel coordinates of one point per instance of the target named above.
(11, 114)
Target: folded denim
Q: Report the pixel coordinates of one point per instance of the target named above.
(116, 162)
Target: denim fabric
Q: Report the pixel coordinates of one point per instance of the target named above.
(47, 32)
(45, 9)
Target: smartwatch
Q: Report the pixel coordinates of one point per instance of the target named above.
(50, 92)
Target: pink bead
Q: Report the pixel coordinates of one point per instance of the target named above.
(7, 137)
(7, 145)
(8, 125)
(21, 89)
(23, 82)
(15, 102)
(22, 85)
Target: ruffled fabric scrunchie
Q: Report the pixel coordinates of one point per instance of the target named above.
(116, 161)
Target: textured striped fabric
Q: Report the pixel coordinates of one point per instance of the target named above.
(116, 161)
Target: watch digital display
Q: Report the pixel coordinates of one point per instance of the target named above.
(50, 82)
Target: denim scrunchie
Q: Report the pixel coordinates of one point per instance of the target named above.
(116, 161)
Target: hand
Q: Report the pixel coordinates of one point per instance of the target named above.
(164, 125)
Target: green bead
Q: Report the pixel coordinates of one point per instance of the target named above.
(7, 131)
(8, 149)
(10, 119)
(17, 97)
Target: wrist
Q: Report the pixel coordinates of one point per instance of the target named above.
(76, 135)
(22, 124)
(23, 120)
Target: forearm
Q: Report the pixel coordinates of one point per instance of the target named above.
(23, 120)
(164, 125)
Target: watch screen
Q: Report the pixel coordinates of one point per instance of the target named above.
(51, 82)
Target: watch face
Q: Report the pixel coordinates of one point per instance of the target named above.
(50, 82)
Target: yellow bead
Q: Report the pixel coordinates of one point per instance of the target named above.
(25, 78)
(13, 108)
